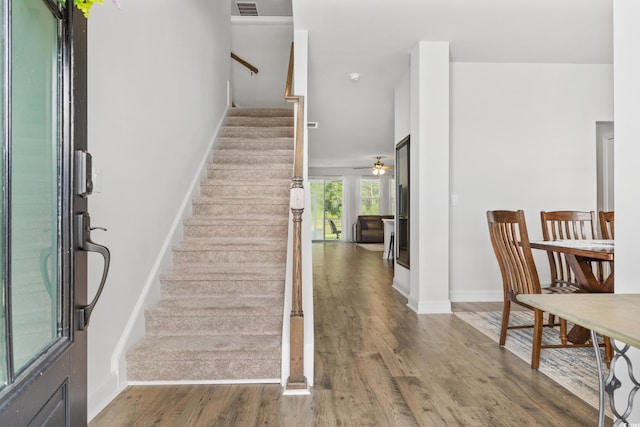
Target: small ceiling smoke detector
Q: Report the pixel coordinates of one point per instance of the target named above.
(247, 8)
(354, 76)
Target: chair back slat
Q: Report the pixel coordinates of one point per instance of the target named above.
(606, 224)
(510, 242)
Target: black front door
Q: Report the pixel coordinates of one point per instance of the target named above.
(42, 351)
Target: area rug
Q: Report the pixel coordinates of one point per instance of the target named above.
(374, 247)
(573, 368)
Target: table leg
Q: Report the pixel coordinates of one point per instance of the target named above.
(613, 383)
(581, 267)
(601, 383)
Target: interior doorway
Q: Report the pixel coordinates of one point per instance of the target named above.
(605, 165)
(326, 209)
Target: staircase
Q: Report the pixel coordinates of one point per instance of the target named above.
(220, 313)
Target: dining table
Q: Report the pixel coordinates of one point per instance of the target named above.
(612, 315)
(581, 254)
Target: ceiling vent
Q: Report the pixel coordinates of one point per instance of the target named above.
(247, 8)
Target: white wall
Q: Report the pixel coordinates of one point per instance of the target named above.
(627, 174)
(264, 42)
(517, 132)
(158, 78)
(523, 137)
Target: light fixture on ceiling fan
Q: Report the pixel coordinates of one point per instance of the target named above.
(378, 167)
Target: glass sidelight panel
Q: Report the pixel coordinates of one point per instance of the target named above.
(3, 314)
(34, 178)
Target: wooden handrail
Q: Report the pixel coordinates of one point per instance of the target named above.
(253, 69)
(296, 379)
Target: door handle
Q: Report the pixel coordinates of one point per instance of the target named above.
(84, 242)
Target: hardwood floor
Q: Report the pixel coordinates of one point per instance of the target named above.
(377, 364)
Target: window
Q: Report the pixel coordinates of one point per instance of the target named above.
(369, 196)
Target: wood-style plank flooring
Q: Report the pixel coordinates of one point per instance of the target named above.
(377, 364)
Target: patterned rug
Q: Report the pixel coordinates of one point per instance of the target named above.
(375, 247)
(573, 368)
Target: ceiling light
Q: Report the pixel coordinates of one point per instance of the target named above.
(378, 167)
(354, 76)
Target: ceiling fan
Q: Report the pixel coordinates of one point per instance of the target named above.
(378, 167)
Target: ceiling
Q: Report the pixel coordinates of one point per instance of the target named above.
(375, 37)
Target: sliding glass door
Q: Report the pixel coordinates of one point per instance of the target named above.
(326, 209)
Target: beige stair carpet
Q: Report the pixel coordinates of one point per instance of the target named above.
(220, 314)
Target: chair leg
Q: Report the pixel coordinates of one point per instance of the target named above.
(537, 338)
(506, 309)
(563, 331)
(608, 351)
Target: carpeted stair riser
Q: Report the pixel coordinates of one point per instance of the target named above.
(193, 357)
(260, 112)
(258, 132)
(188, 369)
(249, 174)
(240, 190)
(220, 313)
(185, 258)
(255, 158)
(214, 315)
(232, 209)
(251, 167)
(199, 324)
(249, 200)
(231, 288)
(228, 272)
(234, 230)
(234, 121)
(255, 144)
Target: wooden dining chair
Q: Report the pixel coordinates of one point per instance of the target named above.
(510, 242)
(606, 224)
(568, 225)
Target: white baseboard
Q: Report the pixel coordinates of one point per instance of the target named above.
(400, 289)
(476, 296)
(102, 395)
(434, 307)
